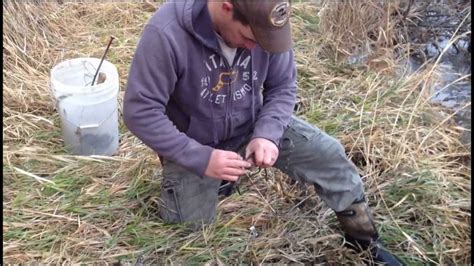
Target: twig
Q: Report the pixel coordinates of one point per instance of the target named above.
(407, 11)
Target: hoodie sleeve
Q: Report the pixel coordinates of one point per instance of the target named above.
(279, 97)
(152, 78)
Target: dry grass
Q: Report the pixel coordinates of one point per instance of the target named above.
(60, 208)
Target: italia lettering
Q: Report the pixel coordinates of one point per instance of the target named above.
(208, 67)
(245, 63)
(213, 60)
(212, 63)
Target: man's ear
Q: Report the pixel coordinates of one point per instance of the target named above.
(227, 7)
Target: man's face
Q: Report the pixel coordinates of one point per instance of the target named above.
(234, 33)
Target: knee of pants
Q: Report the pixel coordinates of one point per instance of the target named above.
(325, 148)
(324, 162)
(335, 147)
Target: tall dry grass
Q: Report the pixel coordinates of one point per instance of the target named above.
(60, 208)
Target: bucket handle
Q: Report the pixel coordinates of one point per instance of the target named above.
(89, 126)
(92, 125)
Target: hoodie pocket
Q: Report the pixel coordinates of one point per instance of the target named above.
(241, 123)
(206, 130)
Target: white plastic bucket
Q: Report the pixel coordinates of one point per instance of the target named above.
(89, 114)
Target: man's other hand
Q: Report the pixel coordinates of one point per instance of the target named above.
(262, 152)
(226, 165)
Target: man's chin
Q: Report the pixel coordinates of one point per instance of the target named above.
(245, 47)
(235, 46)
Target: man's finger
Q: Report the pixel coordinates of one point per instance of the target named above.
(231, 178)
(267, 158)
(233, 155)
(234, 171)
(250, 160)
(239, 164)
(248, 153)
(275, 155)
(258, 157)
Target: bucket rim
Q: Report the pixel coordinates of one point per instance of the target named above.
(112, 77)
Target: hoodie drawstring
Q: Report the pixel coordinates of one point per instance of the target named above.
(214, 128)
(253, 89)
(213, 117)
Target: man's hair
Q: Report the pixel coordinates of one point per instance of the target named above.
(237, 15)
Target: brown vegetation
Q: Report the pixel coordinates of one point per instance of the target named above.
(60, 208)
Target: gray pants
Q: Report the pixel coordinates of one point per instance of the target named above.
(306, 154)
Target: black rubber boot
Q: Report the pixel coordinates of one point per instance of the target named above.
(361, 233)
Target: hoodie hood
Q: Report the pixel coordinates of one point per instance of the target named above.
(196, 10)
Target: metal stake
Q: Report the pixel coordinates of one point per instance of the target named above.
(102, 60)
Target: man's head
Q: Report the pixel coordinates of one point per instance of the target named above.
(243, 23)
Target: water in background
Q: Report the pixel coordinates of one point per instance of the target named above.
(432, 39)
(434, 33)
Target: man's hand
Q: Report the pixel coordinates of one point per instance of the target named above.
(265, 152)
(226, 165)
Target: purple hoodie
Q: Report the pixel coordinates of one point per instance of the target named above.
(183, 98)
